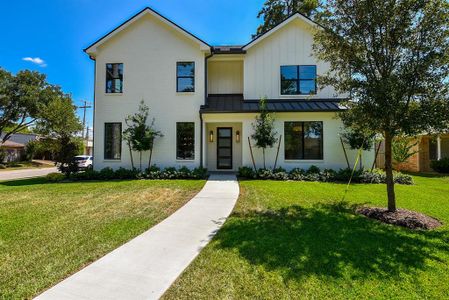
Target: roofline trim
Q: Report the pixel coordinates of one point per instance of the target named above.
(92, 48)
(287, 20)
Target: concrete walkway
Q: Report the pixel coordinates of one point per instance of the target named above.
(25, 173)
(145, 267)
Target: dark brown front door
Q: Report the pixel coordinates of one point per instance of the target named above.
(224, 148)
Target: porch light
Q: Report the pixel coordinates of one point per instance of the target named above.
(237, 136)
(211, 136)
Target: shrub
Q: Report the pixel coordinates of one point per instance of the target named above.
(123, 173)
(280, 175)
(400, 178)
(440, 166)
(184, 172)
(297, 174)
(373, 177)
(328, 175)
(264, 174)
(106, 173)
(199, 173)
(246, 172)
(313, 170)
(55, 177)
(153, 168)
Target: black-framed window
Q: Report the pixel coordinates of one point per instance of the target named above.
(114, 78)
(112, 140)
(303, 140)
(185, 77)
(298, 80)
(185, 140)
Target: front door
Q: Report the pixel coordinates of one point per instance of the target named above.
(224, 148)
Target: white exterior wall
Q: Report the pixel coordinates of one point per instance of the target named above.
(333, 155)
(149, 50)
(290, 45)
(225, 77)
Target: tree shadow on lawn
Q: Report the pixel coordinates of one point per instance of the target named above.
(326, 240)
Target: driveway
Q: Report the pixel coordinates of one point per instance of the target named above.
(26, 173)
(145, 267)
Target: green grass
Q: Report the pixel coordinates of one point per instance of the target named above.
(298, 240)
(49, 231)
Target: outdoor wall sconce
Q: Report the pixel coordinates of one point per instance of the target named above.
(237, 136)
(211, 136)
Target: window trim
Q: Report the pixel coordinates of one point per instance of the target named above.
(104, 142)
(176, 145)
(302, 159)
(178, 77)
(298, 81)
(106, 78)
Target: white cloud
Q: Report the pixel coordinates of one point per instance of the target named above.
(36, 60)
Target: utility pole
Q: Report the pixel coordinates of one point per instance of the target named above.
(84, 107)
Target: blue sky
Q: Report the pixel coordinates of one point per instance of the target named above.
(56, 32)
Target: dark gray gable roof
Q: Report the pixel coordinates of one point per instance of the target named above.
(234, 103)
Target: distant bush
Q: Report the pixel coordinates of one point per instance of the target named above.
(246, 172)
(55, 177)
(328, 175)
(2, 166)
(440, 166)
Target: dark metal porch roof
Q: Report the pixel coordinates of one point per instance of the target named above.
(234, 103)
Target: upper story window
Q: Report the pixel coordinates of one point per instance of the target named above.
(298, 80)
(185, 141)
(114, 78)
(185, 77)
(303, 140)
(112, 141)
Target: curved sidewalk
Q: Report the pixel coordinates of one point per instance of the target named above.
(145, 267)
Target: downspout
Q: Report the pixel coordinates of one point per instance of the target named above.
(205, 103)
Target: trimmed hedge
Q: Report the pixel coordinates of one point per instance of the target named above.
(328, 175)
(440, 166)
(152, 173)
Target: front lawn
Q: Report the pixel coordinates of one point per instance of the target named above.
(49, 231)
(298, 240)
(23, 165)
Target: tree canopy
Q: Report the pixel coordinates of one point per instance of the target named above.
(264, 133)
(274, 12)
(27, 98)
(391, 57)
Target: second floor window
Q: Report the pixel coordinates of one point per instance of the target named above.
(298, 80)
(112, 141)
(114, 78)
(185, 77)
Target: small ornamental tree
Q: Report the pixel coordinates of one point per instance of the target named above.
(264, 134)
(139, 135)
(358, 140)
(392, 58)
(402, 148)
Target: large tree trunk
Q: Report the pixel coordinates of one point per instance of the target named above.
(389, 172)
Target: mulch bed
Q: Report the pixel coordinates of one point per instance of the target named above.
(402, 217)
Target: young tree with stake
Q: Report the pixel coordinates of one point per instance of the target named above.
(264, 133)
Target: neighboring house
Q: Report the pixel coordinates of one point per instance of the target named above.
(15, 146)
(205, 98)
(427, 148)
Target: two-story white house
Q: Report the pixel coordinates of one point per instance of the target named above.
(205, 98)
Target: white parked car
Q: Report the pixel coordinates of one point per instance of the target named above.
(84, 161)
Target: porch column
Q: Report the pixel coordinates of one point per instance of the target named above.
(438, 148)
(204, 144)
